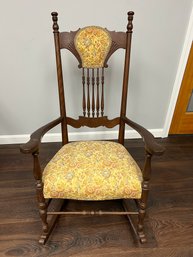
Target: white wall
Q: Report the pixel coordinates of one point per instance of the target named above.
(28, 97)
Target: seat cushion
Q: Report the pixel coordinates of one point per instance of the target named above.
(92, 170)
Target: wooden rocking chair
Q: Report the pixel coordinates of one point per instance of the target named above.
(92, 170)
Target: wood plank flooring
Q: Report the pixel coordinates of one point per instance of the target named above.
(169, 221)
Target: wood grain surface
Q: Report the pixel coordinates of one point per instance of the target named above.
(169, 221)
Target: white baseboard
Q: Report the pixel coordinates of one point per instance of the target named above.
(77, 136)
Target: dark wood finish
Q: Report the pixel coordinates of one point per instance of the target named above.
(52, 219)
(93, 122)
(93, 95)
(88, 93)
(39, 192)
(97, 101)
(102, 93)
(83, 97)
(126, 207)
(66, 40)
(60, 77)
(118, 41)
(89, 104)
(32, 146)
(143, 201)
(151, 145)
(93, 212)
(168, 222)
(126, 76)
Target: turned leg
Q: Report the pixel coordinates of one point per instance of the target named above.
(47, 223)
(39, 192)
(140, 226)
(42, 205)
(142, 203)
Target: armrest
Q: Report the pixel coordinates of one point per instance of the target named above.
(35, 139)
(151, 145)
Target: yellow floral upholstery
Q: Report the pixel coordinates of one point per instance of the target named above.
(93, 44)
(92, 170)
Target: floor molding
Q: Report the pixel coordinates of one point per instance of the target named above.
(76, 136)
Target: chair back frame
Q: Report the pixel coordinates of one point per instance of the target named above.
(65, 40)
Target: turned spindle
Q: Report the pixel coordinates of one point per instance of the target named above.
(84, 97)
(88, 93)
(93, 97)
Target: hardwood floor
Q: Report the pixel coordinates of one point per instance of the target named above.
(169, 220)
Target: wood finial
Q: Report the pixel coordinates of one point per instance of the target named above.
(130, 24)
(55, 23)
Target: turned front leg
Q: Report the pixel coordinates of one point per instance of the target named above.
(144, 197)
(39, 192)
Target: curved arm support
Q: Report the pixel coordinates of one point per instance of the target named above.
(32, 145)
(151, 146)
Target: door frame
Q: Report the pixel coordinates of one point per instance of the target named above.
(179, 75)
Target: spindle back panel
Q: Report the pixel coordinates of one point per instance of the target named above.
(93, 78)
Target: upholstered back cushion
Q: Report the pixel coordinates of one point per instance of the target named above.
(93, 44)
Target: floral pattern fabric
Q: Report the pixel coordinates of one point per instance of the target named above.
(92, 170)
(93, 44)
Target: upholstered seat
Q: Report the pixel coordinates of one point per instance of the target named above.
(92, 170)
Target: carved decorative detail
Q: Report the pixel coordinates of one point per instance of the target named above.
(93, 95)
(97, 100)
(130, 22)
(88, 102)
(118, 41)
(67, 42)
(143, 201)
(102, 93)
(55, 22)
(88, 93)
(84, 97)
(39, 192)
(93, 122)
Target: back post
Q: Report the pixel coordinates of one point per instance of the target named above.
(126, 77)
(60, 78)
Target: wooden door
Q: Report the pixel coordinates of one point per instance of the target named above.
(182, 122)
